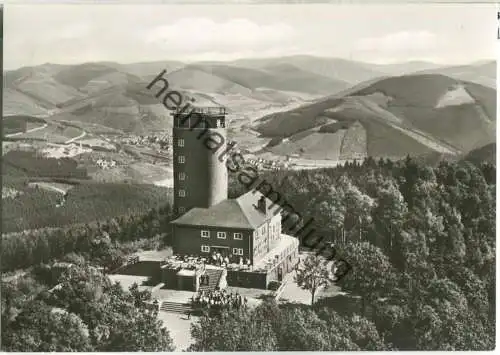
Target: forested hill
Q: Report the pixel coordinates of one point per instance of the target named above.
(425, 264)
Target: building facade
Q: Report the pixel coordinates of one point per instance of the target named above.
(243, 228)
(234, 243)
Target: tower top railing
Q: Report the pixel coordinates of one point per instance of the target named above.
(207, 110)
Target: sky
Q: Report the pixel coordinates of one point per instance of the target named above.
(68, 34)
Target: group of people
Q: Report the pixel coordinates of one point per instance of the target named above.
(218, 299)
(219, 260)
(185, 261)
(216, 259)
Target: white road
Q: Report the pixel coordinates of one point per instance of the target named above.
(42, 127)
(76, 138)
(28, 131)
(48, 186)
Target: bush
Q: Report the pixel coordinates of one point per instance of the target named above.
(274, 285)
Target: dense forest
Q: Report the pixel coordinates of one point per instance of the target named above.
(420, 240)
(37, 208)
(84, 313)
(105, 243)
(33, 165)
(421, 243)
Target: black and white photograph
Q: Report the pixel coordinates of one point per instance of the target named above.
(248, 176)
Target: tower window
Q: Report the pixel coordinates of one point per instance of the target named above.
(221, 235)
(205, 234)
(182, 159)
(205, 248)
(180, 142)
(182, 193)
(182, 176)
(238, 236)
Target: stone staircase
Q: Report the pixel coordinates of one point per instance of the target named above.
(184, 306)
(175, 307)
(214, 276)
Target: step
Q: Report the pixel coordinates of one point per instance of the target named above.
(175, 310)
(175, 304)
(172, 305)
(175, 307)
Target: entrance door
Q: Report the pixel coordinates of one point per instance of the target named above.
(280, 274)
(224, 251)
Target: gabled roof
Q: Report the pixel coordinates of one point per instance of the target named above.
(235, 213)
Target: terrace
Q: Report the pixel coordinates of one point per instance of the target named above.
(283, 248)
(187, 263)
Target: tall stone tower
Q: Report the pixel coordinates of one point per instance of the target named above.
(200, 177)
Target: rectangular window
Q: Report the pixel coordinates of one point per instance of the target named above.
(221, 235)
(182, 209)
(205, 234)
(180, 142)
(182, 176)
(238, 236)
(237, 251)
(205, 248)
(182, 193)
(182, 159)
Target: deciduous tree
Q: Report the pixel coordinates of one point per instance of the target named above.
(312, 274)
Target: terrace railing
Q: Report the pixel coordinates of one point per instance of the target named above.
(211, 111)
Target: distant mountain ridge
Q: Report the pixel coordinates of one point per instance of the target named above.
(364, 96)
(483, 73)
(279, 77)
